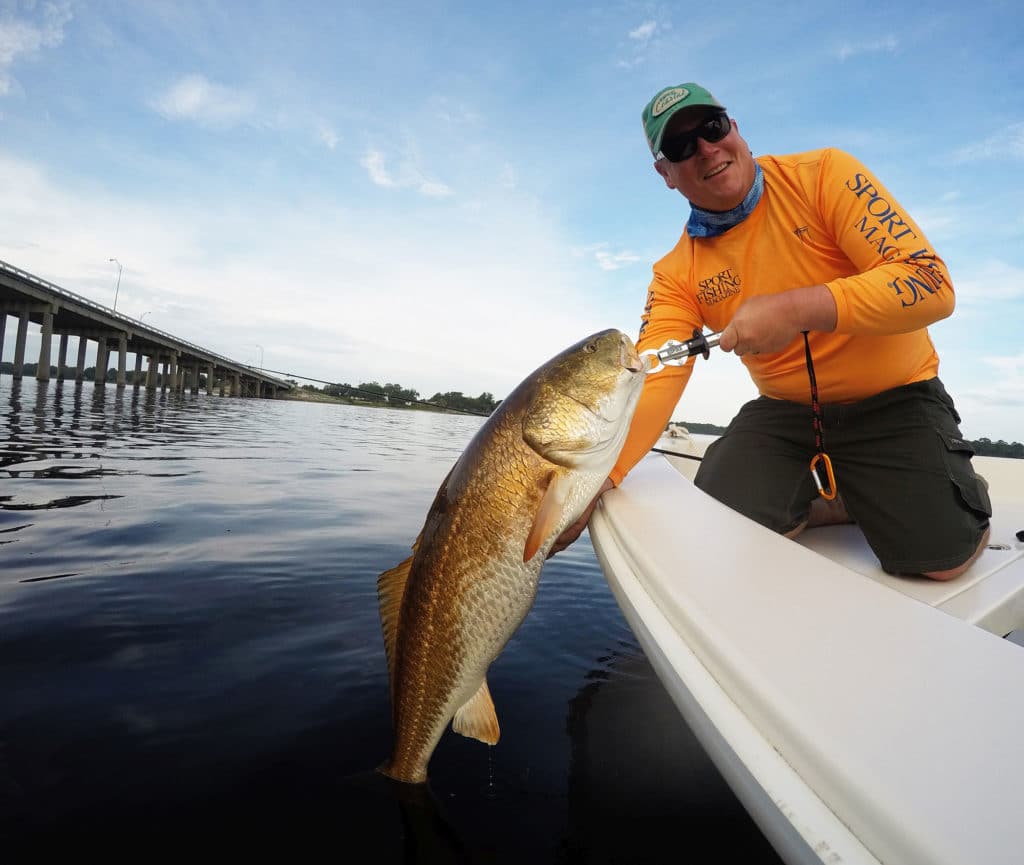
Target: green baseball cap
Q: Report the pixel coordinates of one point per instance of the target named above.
(666, 103)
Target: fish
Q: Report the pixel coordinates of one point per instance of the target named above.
(448, 610)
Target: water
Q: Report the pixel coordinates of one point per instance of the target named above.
(190, 652)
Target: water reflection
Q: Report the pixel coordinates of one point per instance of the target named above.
(190, 651)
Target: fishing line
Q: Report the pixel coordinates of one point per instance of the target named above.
(676, 454)
(350, 389)
(377, 394)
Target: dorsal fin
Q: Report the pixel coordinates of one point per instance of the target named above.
(476, 718)
(390, 591)
(548, 515)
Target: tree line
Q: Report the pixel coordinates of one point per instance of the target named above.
(397, 395)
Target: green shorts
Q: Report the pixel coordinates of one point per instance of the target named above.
(901, 466)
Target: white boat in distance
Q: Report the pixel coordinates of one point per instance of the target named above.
(859, 717)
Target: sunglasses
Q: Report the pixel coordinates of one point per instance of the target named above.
(712, 129)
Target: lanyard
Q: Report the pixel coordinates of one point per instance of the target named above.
(828, 493)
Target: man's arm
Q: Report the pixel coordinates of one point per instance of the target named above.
(902, 284)
(765, 324)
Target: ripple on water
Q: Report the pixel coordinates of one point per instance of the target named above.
(190, 648)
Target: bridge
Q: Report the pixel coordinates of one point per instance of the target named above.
(63, 313)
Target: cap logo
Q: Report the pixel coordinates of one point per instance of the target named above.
(668, 99)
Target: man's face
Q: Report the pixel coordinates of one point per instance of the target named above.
(718, 176)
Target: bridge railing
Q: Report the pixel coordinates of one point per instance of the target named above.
(111, 313)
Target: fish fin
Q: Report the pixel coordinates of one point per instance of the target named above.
(548, 515)
(476, 718)
(390, 591)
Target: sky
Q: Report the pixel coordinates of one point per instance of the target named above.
(444, 195)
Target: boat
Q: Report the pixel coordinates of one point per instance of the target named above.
(859, 717)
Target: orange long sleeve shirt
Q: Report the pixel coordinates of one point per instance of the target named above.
(823, 218)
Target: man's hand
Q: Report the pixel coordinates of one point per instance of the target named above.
(767, 323)
(569, 536)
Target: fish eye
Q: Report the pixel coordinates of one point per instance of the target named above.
(591, 347)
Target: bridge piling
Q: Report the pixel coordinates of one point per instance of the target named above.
(19, 345)
(62, 358)
(45, 347)
(80, 369)
(122, 357)
(100, 373)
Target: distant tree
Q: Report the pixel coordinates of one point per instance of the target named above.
(337, 389)
(697, 427)
(454, 399)
(988, 448)
(398, 394)
(367, 389)
(485, 403)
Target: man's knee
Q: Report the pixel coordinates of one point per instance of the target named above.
(953, 573)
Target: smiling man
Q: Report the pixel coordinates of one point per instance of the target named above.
(824, 286)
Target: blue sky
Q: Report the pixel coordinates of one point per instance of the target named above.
(444, 195)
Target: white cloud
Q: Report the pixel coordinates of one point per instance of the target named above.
(644, 32)
(1007, 142)
(991, 281)
(992, 402)
(851, 49)
(607, 260)
(373, 162)
(331, 293)
(642, 38)
(433, 188)
(408, 176)
(21, 38)
(328, 137)
(195, 98)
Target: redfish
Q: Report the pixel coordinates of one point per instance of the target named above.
(449, 609)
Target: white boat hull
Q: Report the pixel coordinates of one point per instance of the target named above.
(857, 716)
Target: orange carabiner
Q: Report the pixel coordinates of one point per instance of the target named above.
(830, 493)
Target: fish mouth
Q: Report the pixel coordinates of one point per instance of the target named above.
(631, 359)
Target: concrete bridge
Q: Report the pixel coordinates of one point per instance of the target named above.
(65, 314)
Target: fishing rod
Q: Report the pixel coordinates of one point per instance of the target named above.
(676, 454)
(673, 353)
(378, 394)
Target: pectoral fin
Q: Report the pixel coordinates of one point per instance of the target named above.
(548, 515)
(476, 718)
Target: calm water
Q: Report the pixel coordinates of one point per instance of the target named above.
(190, 652)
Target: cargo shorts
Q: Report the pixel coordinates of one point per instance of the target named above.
(902, 469)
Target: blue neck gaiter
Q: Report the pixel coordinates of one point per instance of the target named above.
(708, 223)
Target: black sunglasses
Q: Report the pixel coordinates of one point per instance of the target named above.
(712, 129)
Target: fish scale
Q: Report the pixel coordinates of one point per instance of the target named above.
(449, 609)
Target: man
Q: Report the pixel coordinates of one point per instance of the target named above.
(824, 286)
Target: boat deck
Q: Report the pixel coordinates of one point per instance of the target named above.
(859, 720)
(990, 595)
